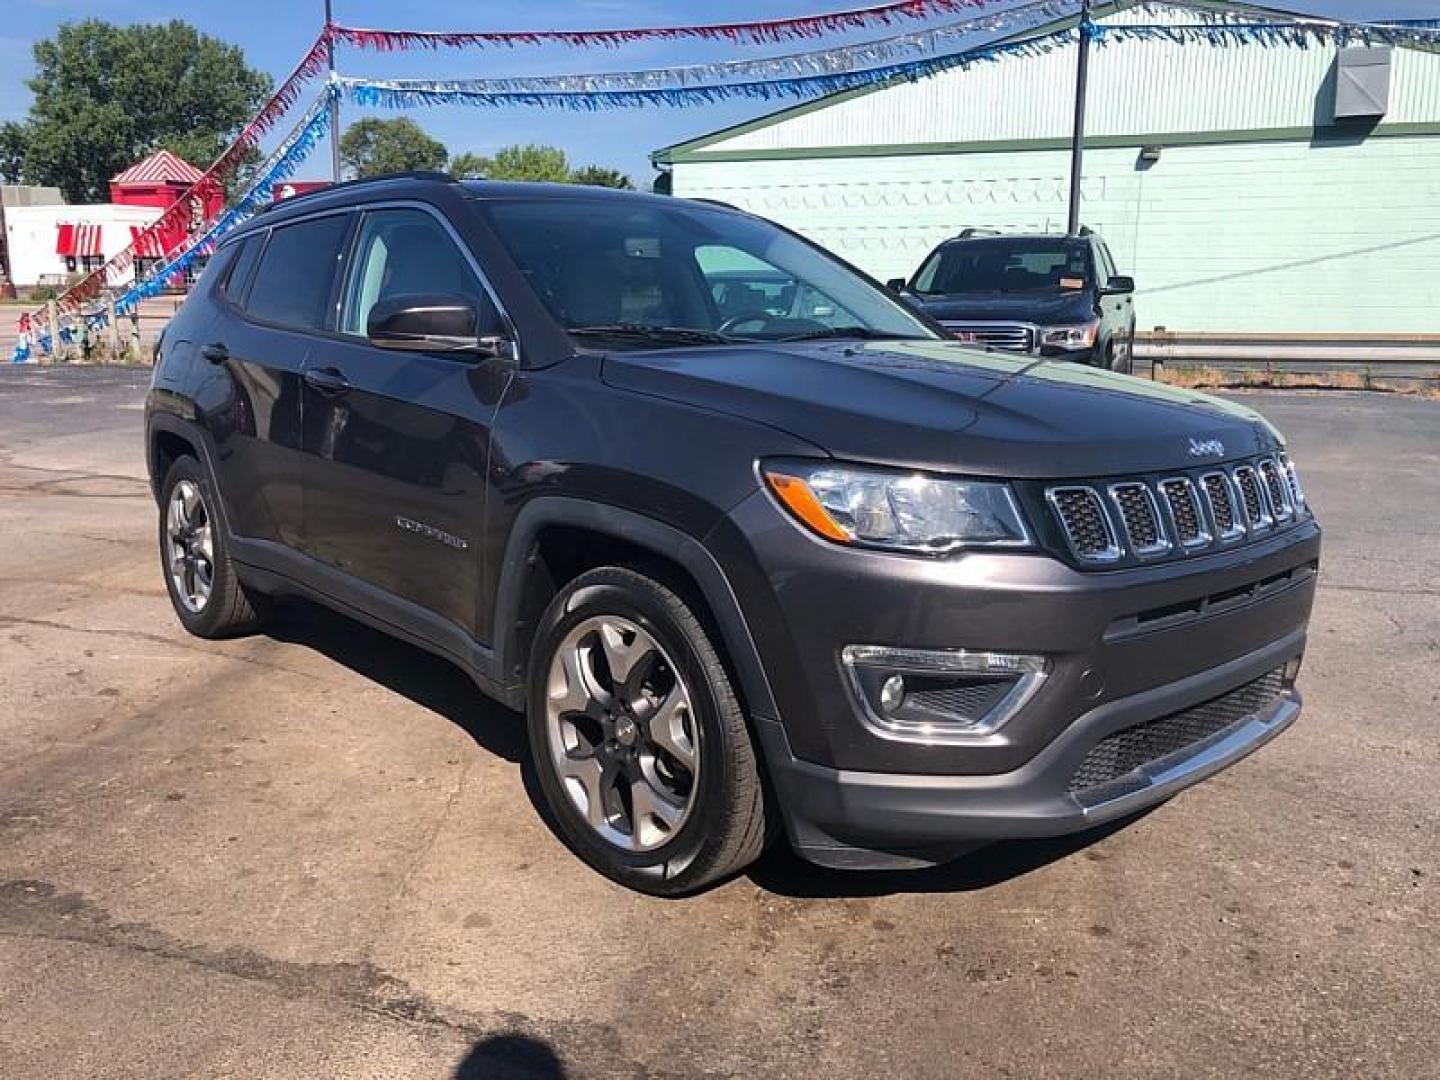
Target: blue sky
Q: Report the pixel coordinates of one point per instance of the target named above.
(273, 33)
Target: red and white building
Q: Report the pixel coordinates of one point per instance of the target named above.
(47, 244)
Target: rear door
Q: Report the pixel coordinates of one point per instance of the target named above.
(397, 443)
(274, 298)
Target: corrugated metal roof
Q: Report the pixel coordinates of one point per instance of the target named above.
(1137, 87)
(161, 167)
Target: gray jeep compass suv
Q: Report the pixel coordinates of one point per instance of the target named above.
(822, 573)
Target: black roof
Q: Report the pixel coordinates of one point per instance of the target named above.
(400, 185)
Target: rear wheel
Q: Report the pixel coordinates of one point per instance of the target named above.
(204, 589)
(639, 741)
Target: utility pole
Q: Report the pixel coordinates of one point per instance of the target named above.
(335, 98)
(1077, 136)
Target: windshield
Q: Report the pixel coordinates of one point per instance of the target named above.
(1005, 264)
(642, 274)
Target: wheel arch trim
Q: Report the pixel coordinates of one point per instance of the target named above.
(644, 532)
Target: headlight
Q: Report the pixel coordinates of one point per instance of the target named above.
(897, 511)
(1079, 336)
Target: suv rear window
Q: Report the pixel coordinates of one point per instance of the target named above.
(294, 282)
(242, 262)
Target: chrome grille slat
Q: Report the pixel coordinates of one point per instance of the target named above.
(1277, 488)
(1139, 518)
(1183, 504)
(1252, 498)
(1224, 511)
(1087, 526)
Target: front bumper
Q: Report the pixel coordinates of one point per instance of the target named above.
(1124, 647)
(853, 819)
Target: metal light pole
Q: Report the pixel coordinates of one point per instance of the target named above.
(1077, 136)
(335, 98)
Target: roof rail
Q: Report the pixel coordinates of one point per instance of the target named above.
(416, 174)
(966, 234)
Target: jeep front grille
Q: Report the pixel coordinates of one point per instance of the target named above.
(1143, 518)
(1118, 755)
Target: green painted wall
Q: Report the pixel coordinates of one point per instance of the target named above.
(1279, 235)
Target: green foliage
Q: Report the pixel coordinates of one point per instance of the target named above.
(468, 166)
(530, 163)
(106, 95)
(12, 152)
(374, 147)
(601, 176)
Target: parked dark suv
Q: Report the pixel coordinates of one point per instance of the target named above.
(1045, 295)
(745, 573)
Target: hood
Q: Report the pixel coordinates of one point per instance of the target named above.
(943, 406)
(1044, 309)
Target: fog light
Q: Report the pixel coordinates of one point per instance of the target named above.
(939, 695)
(892, 693)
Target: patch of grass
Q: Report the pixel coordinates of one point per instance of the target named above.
(1203, 377)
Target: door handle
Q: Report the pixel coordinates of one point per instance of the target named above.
(215, 352)
(327, 380)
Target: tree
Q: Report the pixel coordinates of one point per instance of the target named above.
(372, 147)
(601, 176)
(468, 166)
(106, 95)
(530, 163)
(12, 152)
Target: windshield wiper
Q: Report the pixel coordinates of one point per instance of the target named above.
(850, 332)
(683, 334)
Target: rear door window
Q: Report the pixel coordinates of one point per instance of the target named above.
(242, 263)
(294, 282)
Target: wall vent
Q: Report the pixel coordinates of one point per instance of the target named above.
(1362, 83)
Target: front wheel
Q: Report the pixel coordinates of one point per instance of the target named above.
(638, 739)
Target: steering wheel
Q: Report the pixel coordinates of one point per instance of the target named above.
(754, 315)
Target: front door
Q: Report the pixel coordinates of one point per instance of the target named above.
(397, 443)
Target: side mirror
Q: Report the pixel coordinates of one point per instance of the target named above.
(431, 322)
(896, 284)
(1119, 285)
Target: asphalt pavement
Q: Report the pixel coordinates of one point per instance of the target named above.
(314, 853)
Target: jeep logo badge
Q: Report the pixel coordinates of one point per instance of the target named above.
(1207, 448)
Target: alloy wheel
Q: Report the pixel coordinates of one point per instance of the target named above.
(622, 734)
(189, 546)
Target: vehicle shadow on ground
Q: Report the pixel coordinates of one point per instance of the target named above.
(784, 873)
(440, 686)
(500, 1057)
(428, 680)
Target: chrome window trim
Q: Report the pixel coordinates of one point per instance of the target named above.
(365, 208)
(1237, 529)
(1203, 537)
(1113, 552)
(1162, 544)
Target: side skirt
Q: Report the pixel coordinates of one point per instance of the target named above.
(278, 570)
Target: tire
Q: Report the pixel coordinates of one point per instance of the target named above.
(1121, 357)
(688, 825)
(190, 541)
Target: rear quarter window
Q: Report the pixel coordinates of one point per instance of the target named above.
(295, 280)
(243, 257)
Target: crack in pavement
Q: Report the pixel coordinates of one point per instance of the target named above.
(38, 911)
(154, 639)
